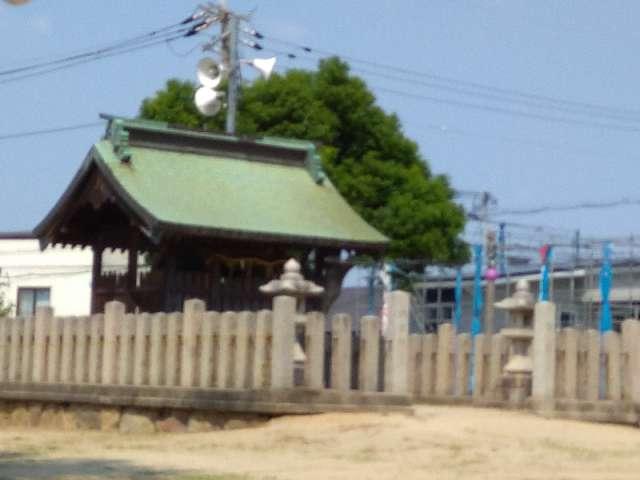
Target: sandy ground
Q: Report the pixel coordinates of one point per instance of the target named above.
(436, 443)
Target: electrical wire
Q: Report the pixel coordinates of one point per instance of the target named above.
(164, 35)
(499, 109)
(46, 131)
(73, 64)
(576, 206)
(445, 80)
(617, 116)
(115, 46)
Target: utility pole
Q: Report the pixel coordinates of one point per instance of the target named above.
(491, 274)
(207, 98)
(229, 36)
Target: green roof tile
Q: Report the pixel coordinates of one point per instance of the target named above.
(220, 192)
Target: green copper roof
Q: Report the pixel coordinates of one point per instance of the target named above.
(232, 193)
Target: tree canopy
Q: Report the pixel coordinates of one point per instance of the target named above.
(364, 151)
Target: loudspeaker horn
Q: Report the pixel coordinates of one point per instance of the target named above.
(210, 73)
(208, 101)
(264, 66)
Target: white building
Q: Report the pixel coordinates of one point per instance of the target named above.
(60, 277)
(575, 291)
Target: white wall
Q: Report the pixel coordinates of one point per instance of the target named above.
(65, 271)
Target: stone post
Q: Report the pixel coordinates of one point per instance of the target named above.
(463, 365)
(81, 359)
(341, 352)
(593, 364)
(444, 367)
(125, 357)
(369, 353)
(140, 353)
(396, 379)
(4, 348)
(113, 318)
(14, 348)
(480, 373)
(27, 351)
(42, 322)
(314, 345)
(223, 374)
(612, 349)
(53, 354)
(156, 360)
(497, 348)
(544, 356)
(171, 358)
(193, 311)
(571, 363)
(96, 331)
(428, 365)
(414, 365)
(284, 313)
(241, 360)
(66, 353)
(631, 341)
(210, 326)
(262, 354)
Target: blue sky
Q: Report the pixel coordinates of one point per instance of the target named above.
(584, 51)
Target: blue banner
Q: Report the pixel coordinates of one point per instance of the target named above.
(478, 303)
(606, 274)
(545, 256)
(457, 317)
(502, 247)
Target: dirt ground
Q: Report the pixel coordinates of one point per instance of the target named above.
(437, 443)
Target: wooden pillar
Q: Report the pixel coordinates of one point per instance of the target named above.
(132, 270)
(169, 281)
(96, 271)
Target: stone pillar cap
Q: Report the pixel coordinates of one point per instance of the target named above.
(292, 283)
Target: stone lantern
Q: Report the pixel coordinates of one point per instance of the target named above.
(292, 284)
(518, 371)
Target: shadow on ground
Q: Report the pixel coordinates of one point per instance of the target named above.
(15, 466)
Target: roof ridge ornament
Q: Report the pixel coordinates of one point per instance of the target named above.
(314, 165)
(119, 137)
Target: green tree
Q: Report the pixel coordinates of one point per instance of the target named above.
(364, 151)
(5, 307)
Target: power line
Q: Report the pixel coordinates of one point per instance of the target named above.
(445, 80)
(506, 111)
(576, 206)
(91, 53)
(566, 149)
(164, 35)
(72, 64)
(500, 109)
(465, 91)
(47, 131)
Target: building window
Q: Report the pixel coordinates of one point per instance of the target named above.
(432, 295)
(567, 319)
(30, 298)
(448, 295)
